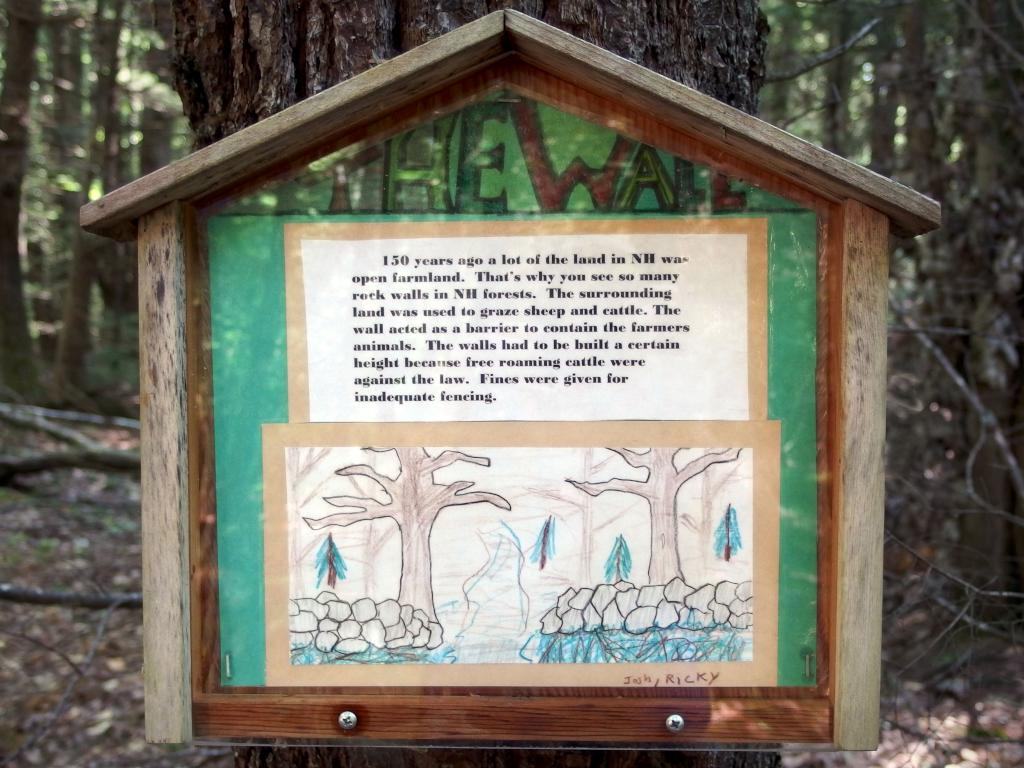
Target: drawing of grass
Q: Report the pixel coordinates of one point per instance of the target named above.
(443, 655)
(617, 646)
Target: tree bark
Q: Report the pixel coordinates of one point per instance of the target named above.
(236, 63)
(17, 362)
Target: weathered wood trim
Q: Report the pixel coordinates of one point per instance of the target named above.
(371, 94)
(293, 131)
(717, 123)
(513, 719)
(165, 492)
(205, 610)
(830, 249)
(861, 477)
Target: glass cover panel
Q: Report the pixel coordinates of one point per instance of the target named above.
(512, 399)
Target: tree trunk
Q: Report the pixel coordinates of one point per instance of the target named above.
(17, 363)
(919, 94)
(157, 124)
(986, 552)
(837, 98)
(73, 347)
(236, 63)
(664, 487)
(884, 101)
(416, 589)
(664, 564)
(66, 137)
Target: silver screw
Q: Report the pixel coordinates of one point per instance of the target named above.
(347, 720)
(675, 723)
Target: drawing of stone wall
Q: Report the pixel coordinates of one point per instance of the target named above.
(637, 610)
(335, 626)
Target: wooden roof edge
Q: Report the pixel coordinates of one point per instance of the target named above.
(371, 93)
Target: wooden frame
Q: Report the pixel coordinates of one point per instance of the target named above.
(165, 512)
(506, 49)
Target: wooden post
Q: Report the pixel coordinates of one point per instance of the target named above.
(861, 481)
(164, 450)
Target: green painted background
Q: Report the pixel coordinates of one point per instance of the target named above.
(245, 243)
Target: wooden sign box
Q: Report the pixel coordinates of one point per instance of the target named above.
(234, 375)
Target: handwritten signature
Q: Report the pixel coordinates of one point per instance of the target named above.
(653, 681)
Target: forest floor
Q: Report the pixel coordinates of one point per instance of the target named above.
(71, 678)
(71, 682)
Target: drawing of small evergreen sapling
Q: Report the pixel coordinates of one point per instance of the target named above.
(329, 563)
(727, 535)
(619, 563)
(544, 547)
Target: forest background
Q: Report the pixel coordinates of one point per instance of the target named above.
(930, 92)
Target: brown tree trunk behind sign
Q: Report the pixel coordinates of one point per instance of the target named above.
(240, 62)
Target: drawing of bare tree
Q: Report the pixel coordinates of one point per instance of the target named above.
(660, 488)
(414, 501)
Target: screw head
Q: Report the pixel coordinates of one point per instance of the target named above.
(347, 720)
(674, 723)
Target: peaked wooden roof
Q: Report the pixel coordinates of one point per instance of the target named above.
(298, 129)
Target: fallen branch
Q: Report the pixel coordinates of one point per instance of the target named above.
(105, 459)
(76, 417)
(33, 596)
(85, 452)
(19, 416)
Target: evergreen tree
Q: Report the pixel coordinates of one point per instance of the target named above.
(619, 562)
(544, 547)
(329, 563)
(727, 535)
